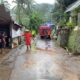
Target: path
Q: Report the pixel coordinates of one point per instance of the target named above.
(46, 64)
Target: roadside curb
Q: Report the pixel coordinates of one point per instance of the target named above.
(10, 53)
(6, 56)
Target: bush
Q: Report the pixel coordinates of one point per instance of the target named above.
(63, 37)
(74, 42)
(62, 23)
(70, 24)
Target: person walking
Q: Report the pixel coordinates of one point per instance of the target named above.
(33, 33)
(1, 43)
(28, 36)
(4, 39)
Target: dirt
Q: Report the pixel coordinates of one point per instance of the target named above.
(41, 63)
(4, 52)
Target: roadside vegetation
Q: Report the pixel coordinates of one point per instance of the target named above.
(71, 40)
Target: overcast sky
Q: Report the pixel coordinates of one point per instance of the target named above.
(45, 1)
(37, 1)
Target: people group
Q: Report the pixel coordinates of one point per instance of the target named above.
(28, 35)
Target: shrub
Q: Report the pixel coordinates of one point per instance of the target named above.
(70, 24)
(74, 42)
(64, 37)
(62, 23)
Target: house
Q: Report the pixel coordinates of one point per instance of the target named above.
(74, 11)
(16, 33)
(7, 26)
(74, 37)
(73, 6)
(5, 21)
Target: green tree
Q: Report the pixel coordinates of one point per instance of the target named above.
(58, 11)
(65, 3)
(35, 21)
(25, 10)
(22, 10)
(44, 9)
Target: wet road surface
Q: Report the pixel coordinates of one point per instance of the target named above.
(46, 61)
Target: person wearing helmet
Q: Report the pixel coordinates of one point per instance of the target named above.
(28, 36)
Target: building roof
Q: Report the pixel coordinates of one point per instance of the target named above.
(73, 6)
(16, 26)
(4, 15)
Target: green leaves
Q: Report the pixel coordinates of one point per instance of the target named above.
(35, 21)
(22, 11)
(59, 9)
(74, 41)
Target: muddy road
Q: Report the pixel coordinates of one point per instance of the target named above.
(45, 61)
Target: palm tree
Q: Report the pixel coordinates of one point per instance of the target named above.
(23, 7)
(7, 5)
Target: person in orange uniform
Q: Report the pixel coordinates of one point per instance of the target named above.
(49, 34)
(28, 36)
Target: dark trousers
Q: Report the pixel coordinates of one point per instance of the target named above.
(0, 48)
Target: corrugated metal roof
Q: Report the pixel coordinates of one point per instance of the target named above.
(73, 6)
(4, 15)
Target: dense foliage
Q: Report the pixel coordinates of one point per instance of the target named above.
(31, 15)
(35, 21)
(74, 41)
(59, 15)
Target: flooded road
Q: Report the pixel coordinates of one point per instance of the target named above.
(45, 61)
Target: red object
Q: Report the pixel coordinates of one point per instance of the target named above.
(44, 31)
(28, 38)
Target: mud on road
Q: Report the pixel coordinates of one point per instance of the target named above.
(43, 62)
